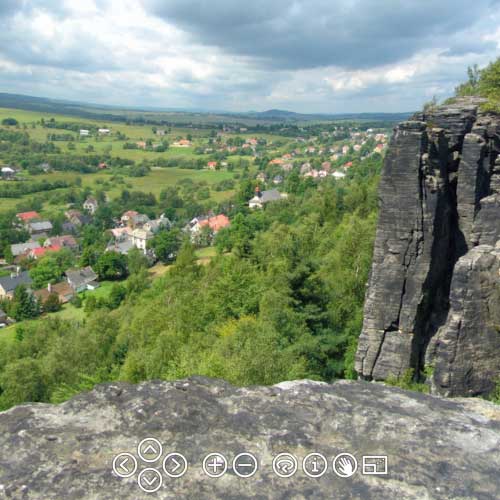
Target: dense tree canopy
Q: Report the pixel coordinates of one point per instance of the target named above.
(281, 300)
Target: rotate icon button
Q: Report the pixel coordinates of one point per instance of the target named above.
(285, 465)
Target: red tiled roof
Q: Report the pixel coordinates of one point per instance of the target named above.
(40, 252)
(26, 216)
(216, 223)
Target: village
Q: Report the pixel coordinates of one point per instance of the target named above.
(52, 263)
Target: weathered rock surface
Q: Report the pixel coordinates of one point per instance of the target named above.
(436, 448)
(439, 199)
(462, 349)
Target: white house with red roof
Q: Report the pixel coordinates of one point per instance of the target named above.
(38, 253)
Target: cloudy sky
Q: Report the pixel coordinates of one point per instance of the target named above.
(302, 55)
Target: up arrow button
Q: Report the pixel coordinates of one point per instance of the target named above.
(150, 450)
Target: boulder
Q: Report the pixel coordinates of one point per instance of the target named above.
(436, 448)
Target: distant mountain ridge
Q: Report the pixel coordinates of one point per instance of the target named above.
(116, 113)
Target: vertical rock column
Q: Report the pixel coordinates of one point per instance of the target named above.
(413, 225)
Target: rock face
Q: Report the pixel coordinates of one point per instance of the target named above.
(439, 199)
(466, 349)
(436, 448)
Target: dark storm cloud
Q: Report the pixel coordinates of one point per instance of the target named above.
(312, 33)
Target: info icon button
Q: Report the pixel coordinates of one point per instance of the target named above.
(314, 465)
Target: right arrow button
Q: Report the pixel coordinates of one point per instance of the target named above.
(175, 465)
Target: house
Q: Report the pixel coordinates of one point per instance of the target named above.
(326, 165)
(140, 238)
(121, 233)
(104, 131)
(82, 279)
(8, 284)
(261, 198)
(126, 218)
(3, 317)
(91, 205)
(156, 225)
(262, 177)
(39, 228)
(357, 147)
(134, 219)
(141, 144)
(345, 150)
(65, 241)
(26, 217)
(23, 248)
(213, 223)
(8, 173)
(212, 165)
(38, 253)
(160, 132)
(305, 167)
(277, 161)
(183, 143)
(45, 167)
(278, 179)
(68, 227)
(378, 148)
(76, 217)
(84, 132)
(122, 246)
(338, 175)
(63, 290)
(287, 167)
(102, 166)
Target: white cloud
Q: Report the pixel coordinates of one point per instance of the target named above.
(121, 52)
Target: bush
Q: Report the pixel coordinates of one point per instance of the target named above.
(52, 303)
(407, 382)
(76, 301)
(10, 122)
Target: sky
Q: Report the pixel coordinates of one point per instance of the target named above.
(309, 56)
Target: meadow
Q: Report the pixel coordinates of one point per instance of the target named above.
(112, 180)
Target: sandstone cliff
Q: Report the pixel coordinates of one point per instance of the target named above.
(436, 448)
(433, 296)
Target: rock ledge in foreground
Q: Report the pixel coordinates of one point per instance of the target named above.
(436, 448)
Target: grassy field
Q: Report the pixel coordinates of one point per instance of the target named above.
(154, 182)
(8, 334)
(157, 180)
